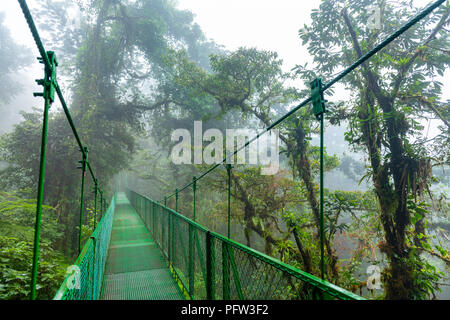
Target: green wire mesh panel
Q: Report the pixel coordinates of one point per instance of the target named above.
(180, 256)
(250, 277)
(135, 268)
(209, 266)
(84, 283)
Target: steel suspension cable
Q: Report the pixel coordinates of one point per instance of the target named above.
(327, 86)
(46, 61)
(49, 82)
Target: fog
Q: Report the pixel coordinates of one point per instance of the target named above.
(133, 72)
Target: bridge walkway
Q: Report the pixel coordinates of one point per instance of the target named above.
(135, 268)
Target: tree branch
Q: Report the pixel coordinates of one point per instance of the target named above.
(427, 103)
(419, 50)
(371, 78)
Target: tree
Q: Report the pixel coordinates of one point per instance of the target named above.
(390, 94)
(15, 257)
(13, 58)
(121, 45)
(17, 213)
(258, 204)
(252, 83)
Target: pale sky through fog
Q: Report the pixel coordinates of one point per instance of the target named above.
(265, 24)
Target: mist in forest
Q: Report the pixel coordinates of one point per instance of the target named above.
(135, 71)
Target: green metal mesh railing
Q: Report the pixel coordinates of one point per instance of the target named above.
(84, 283)
(208, 265)
(50, 88)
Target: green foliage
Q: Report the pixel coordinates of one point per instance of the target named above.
(390, 96)
(17, 220)
(145, 66)
(15, 269)
(18, 214)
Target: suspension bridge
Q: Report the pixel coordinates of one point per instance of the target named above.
(142, 249)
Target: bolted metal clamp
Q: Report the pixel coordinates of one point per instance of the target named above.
(194, 183)
(317, 98)
(194, 189)
(84, 161)
(95, 187)
(49, 81)
(229, 167)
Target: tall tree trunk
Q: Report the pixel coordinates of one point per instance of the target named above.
(399, 277)
(306, 255)
(392, 199)
(302, 164)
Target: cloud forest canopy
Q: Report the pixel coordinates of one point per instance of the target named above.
(137, 70)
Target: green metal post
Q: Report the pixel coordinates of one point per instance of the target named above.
(148, 213)
(144, 213)
(210, 267)
(225, 271)
(40, 198)
(93, 269)
(228, 166)
(153, 218)
(194, 188)
(48, 93)
(161, 220)
(173, 225)
(176, 200)
(322, 228)
(165, 201)
(95, 202)
(172, 237)
(169, 238)
(150, 217)
(319, 110)
(83, 174)
(101, 204)
(191, 260)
